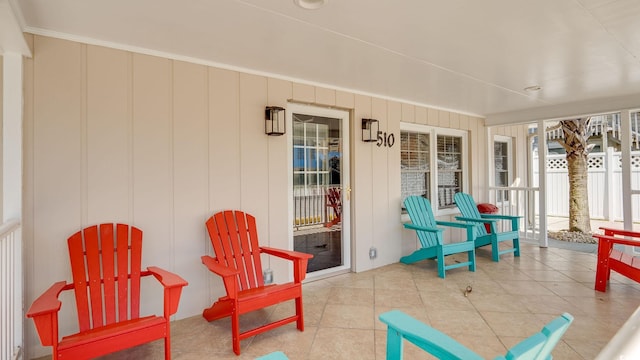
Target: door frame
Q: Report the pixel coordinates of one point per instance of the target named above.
(345, 186)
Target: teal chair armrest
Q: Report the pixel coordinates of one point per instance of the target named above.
(402, 326)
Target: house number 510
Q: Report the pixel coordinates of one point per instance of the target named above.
(386, 140)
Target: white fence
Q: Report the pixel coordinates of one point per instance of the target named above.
(604, 185)
(10, 291)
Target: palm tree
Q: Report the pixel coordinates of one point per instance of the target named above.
(575, 140)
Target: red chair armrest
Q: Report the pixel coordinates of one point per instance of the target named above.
(618, 240)
(229, 276)
(47, 302)
(173, 285)
(286, 254)
(611, 231)
(44, 312)
(167, 278)
(299, 259)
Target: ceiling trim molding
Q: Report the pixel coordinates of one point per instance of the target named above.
(566, 111)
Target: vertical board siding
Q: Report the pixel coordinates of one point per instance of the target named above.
(114, 136)
(420, 117)
(279, 91)
(108, 122)
(323, 96)
(1, 136)
(57, 174)
(362, 189)
(153, 166)
(383, 111)
(254, 165)
(224, 140)
(190, 181)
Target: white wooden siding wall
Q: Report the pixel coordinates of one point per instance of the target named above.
(115, 136)
(1, 136)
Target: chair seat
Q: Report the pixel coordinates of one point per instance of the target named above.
(257, 298)
(135, 331)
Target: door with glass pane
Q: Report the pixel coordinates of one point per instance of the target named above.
(320, 190)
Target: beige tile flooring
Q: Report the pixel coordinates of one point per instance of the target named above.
(510, 300)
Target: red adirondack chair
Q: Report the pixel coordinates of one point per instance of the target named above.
(235, 243)
(334, 201)
(106, 271)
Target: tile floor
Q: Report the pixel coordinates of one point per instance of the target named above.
(509, 301)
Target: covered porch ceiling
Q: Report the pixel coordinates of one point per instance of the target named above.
(474, 57)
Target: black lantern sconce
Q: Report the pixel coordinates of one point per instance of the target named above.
(274, 120)
(370, 130)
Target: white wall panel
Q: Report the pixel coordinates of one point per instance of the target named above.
(279, 91)
(152, 167)
(1, 133)
(57, 136)
(254, 161)
(108, 136)
(190, 182)
(385, 112)
(224, 140)
(362, 188)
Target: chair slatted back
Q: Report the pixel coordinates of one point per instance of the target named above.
(468, 208)
(106, 274)
(234, 239)
(420, 212)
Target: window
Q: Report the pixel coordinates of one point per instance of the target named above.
(310, 155)
(502, 162)
(433, 164)
(449, 169)
(414, 163)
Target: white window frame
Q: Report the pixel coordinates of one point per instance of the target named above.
(433, 133)
(509, 141)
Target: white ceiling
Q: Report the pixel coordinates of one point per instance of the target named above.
(470, 56)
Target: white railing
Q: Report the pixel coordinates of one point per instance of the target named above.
(311, 208)
(10, 290)
(522, 201)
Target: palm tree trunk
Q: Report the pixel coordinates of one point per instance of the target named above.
(579, 219)
(576, 142)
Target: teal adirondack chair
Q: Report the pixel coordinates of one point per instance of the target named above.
(470, 214)
(402, 326)
(278, 355)
(430, 236)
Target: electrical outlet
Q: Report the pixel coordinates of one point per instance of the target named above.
(373, 253)
(268, 276)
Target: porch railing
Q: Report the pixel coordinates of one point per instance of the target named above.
(10, 290)
(310, 207)
(521, 201)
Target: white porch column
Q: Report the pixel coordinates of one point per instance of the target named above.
(12, 137)
(627, 191)
(542, 183)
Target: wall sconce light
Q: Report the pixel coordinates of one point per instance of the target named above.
(370, 130)
(274, 120)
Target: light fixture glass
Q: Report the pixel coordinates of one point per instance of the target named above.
(311, 4)
(274, 120)
(370, 130)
